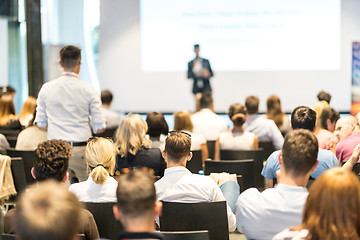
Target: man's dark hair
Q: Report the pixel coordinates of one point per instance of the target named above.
(156, 124)
(299, 152)
(70, 56)
(52, 160)
(196, 45)
(206, 100)
(303, 117)
(177, 146)
(106, 97)
(324, 96)
(136, 194)
(252, 104)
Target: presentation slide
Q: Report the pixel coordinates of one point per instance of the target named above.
(241, 35)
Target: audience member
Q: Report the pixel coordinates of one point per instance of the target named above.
(262, 215)
(331, 210)
(29, 138)
(136, 206)
(133, 149)
(180, 185)
(237, 138)
(301, 118)
(100, 186)
(27, 113)
(182, 122)
(264, 129)
(47, 211)
(206, 122)
(327, 120)
(157, 129)
(51, 162)
(112, 118)
(69, 109)
(324, 96)
(318, 108)
(348, 132)
(8, 118)
(275, 113)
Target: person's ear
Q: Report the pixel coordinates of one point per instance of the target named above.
(158, 208)
(117, 213)
(33, 172)
(280, 158)
(189, 157)
(164, 155)
(66, 177)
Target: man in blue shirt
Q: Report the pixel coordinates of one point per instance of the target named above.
(301, 118)
(70, 110)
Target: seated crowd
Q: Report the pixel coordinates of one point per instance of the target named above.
(146, 165)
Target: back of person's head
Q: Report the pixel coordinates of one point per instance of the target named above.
(136, 195)
(318, 108)
(206, 100)
(29, 107)
(130, 136)
(252, 104)
(299, 152)
(47, 211)
(70, 57)
(274, 110)
(303, 117)
(7, 109)
(237, 114)
(177, 146)
(183, 121)
(51, 160)
(156, 124)
(106, 97)
(328, 115)
(324, 96)
(100, 156)
(332, 207)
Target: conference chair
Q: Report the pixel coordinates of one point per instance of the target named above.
(211, 216)
(188, 235)
(108, 133)
(195, 164)
(268, 148)
(12, 141)
(28, 160)
(8, 133)
(245, 168)
(211, 148)
(18, 173)
(108, 226)
(257, 155)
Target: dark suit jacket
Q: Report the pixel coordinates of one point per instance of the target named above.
(206, 83)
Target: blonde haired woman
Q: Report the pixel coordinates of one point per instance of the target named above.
(27, 113)
(100, 186)
(133, 149)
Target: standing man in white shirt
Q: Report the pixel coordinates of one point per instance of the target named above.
(70, 110)
(206, 122)
(264, 129)
(179, 185)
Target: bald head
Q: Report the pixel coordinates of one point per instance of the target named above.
(345, 126)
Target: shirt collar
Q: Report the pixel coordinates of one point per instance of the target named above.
(176, 169)
(289, 188)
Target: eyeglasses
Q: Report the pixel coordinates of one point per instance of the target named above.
(179, 131)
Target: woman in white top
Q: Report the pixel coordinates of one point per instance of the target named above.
(182, 122)
(100, 186)
(237, 138)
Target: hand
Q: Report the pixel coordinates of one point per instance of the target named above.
(206, 73)
(355, 155)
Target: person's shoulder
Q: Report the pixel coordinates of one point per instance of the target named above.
(249, 197)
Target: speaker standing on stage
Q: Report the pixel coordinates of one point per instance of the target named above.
(200, 70)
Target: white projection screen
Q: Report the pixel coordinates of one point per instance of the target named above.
(291, 48)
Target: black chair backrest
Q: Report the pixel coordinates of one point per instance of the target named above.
(211, 216)
(12, 141)
(13, 236)
(108, 226)
(211, 148)
(7, 133)
(195, 164)
(18, 173)
(257, 155)
(188, 235)
(268, 148)
(108, 133)
(238, 167)
(28, 160)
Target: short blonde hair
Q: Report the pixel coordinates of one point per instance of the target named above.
(183, 121)
(47, 211)
(100, 156)
(130, 136)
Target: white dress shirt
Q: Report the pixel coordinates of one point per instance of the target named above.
(179, 185)
(66, 105)
(89, 191)
(264, 129)
(262, 215)
(208, 124)
(237, 141)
